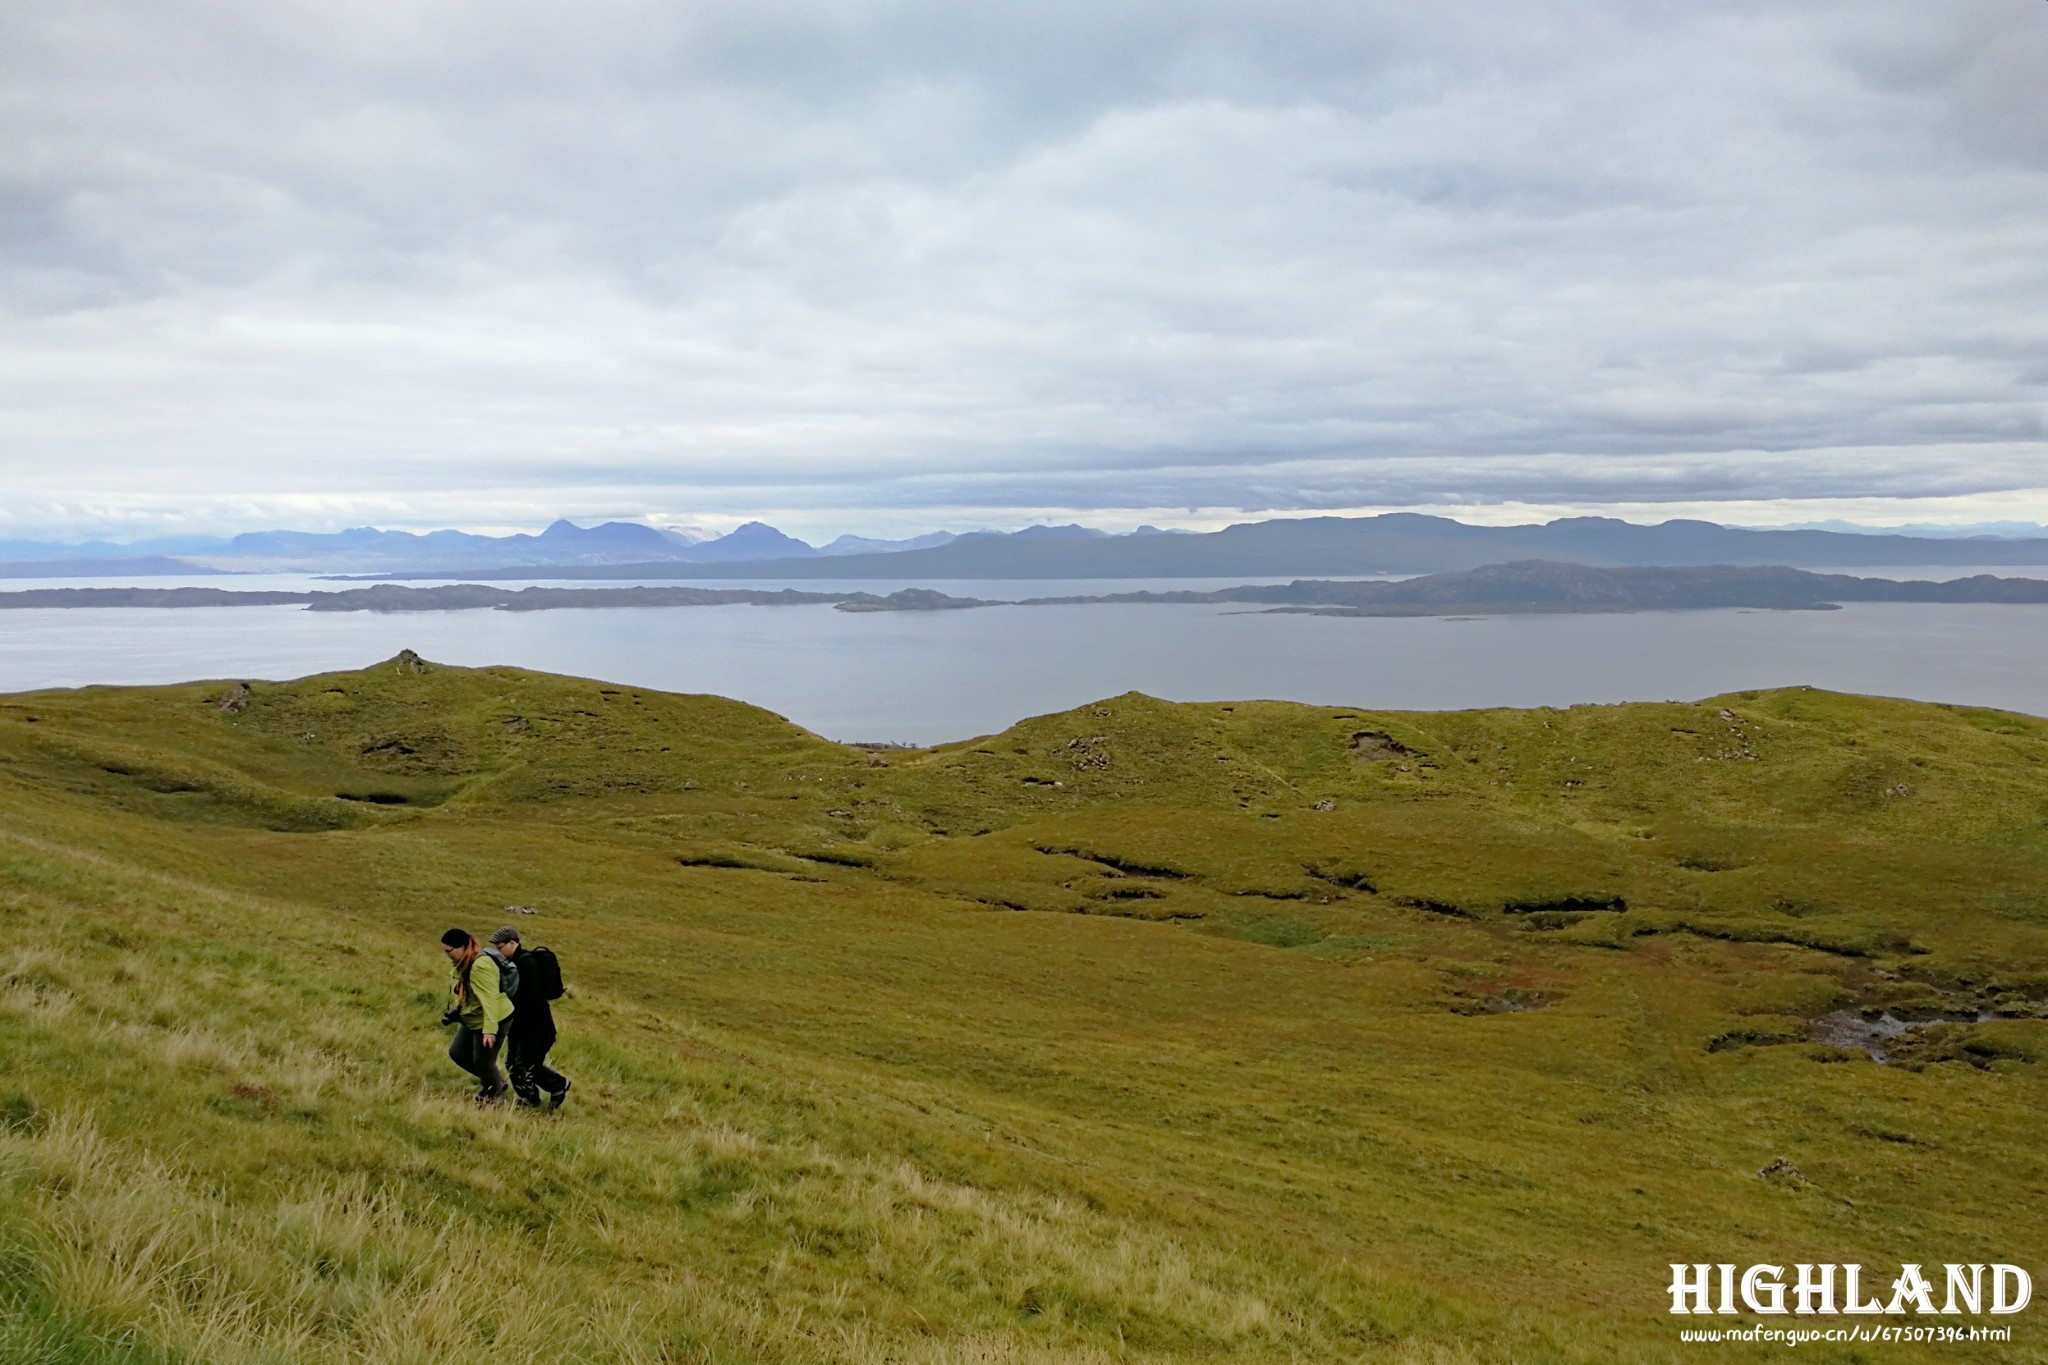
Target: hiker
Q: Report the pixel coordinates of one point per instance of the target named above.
(537, 980)
(480, 1009)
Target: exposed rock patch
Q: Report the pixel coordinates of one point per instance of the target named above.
(1377, 746)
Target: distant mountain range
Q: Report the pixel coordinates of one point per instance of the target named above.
(1398, 543)
(563, 545)
(365, 549)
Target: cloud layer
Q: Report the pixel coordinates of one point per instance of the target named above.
(868, 259)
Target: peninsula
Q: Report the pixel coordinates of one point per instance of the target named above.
(1532, 587)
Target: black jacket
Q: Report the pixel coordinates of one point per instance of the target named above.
(540, 982)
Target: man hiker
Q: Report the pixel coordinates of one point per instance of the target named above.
(480, 1009)
(538, 981)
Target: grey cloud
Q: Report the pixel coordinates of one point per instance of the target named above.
(1316, 254)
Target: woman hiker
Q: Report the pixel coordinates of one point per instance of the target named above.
(533, 1022)
(481, 1009)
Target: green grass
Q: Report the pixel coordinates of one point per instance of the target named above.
(1139, 1032)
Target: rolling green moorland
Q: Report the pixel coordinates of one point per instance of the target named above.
(1140, 1032)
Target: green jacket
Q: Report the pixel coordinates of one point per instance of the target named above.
(488, 1006)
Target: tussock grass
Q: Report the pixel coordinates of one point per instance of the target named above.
(1244, 1041)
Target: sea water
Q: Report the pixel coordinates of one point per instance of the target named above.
(926, 677)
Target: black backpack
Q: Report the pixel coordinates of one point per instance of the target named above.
(543, 974)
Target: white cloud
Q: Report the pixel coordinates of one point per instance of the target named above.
(872, 261)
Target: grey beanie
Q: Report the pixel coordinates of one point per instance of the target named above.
(505, 935)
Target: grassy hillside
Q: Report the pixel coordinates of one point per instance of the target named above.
(1139, 1032)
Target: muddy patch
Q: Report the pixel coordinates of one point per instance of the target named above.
(1567, 905)
(1130, 893)
(421, 754)
(1342, 879)
(1511, 1001)
(1433, 907)
(833, 858)
(1876, 1031)
(1127, 866)
(716, 860)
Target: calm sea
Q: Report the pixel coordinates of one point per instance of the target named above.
(925, 677)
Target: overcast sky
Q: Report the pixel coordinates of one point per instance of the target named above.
(890, 266)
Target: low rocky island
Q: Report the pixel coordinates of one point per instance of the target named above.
(1545, 586)
(1527, 588)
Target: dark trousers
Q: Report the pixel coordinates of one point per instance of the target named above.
(526, 1056)
(469, 1053)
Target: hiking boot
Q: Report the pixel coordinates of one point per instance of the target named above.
(489, 1099)
(556, 1097)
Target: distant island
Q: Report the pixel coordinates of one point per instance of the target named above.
(1397, 543)
(387, 597)
(1528, 587)
(1545, 586)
